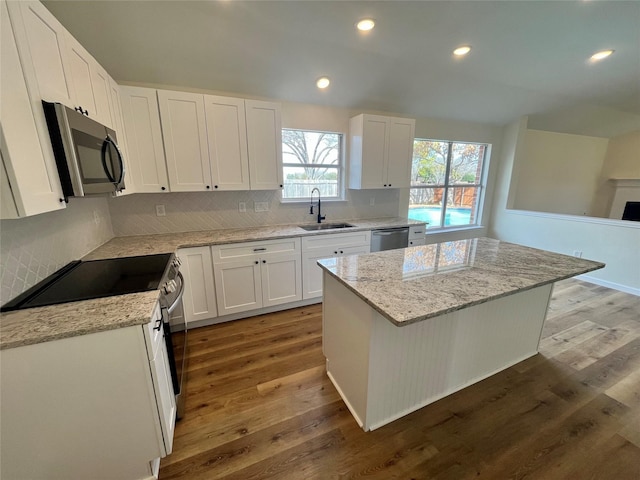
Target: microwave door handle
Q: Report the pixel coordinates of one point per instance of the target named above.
(105, 145)
(109, 141)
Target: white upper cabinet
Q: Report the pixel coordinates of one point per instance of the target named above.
(264, 137)
(41, 41)
(80, 62)
(220, 143)
(185, 141)
(144, 139)
(61, 68)
(227, 136)
(30, 183)
(117, 120)
(381, 151)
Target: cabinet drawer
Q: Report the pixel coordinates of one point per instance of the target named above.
(238, 251)
(336, 240)
(417, 232)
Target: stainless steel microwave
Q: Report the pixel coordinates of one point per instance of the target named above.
(86, 152)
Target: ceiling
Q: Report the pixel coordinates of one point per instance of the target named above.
(528, 57)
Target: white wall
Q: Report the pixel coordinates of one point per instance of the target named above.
(613, 242)
(559, 172)
(34, 247)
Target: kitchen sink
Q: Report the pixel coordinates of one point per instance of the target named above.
(324, 226)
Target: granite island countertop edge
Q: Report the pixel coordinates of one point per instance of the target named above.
(593, 265)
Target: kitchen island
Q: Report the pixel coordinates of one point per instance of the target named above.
(404, 328)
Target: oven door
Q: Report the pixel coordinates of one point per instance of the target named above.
(175, 329)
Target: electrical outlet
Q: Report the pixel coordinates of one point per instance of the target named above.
(372, 201)
(160, 212)
(96, 217)
(261, 206)
(242, 207)
(577, 253)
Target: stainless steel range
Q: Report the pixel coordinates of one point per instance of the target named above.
(118, 276)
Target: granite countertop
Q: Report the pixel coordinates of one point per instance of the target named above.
(54, 322)
(170, 242)
(413, 284)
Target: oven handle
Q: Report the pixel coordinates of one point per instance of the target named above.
(173, 306)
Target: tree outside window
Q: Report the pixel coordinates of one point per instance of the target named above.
(446, 181)
(311, 160)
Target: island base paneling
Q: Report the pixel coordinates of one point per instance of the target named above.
(384, 372)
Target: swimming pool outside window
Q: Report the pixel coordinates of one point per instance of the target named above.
(446, 182)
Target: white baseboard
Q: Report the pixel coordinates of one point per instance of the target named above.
(613, 285)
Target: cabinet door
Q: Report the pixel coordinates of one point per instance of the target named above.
(41, 41)
(281, 279)
(144, 139)
(238, 286)
(199, 298)
(81, 66)
(264, 139)
(185, 141)
(375, 132)
(165, 397)
(227, 136)
(100, 80)
(312, 273)
(117, 121)
(28, 165)
(400, 152)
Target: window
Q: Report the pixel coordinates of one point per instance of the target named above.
(311, 160)
(446, 182)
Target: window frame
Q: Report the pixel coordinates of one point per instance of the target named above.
(340, 168)
(481, 186)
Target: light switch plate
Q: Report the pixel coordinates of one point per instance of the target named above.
(261, 206)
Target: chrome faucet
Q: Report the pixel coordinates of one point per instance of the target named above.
(320, 217)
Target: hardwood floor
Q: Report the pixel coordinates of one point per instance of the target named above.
(260, 405)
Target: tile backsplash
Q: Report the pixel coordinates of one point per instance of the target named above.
(34, 247)
(184, 212)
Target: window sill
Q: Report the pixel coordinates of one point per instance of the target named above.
(459, 228)
(302, 201)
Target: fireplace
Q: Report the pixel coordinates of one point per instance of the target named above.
(626, 199)
(631, 211)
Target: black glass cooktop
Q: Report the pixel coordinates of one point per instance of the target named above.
(95, 279)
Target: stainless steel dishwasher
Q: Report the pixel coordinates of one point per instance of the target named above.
(389, 238)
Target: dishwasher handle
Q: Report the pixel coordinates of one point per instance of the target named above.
(395, 231)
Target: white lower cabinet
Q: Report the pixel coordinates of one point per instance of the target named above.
(318, 247)
(257, 274)
(199, 299)
(417, 235)
(99, 405)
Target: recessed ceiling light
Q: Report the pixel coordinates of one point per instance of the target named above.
(601, 54)
(463, 50)
(323, 82)
(365, 24)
